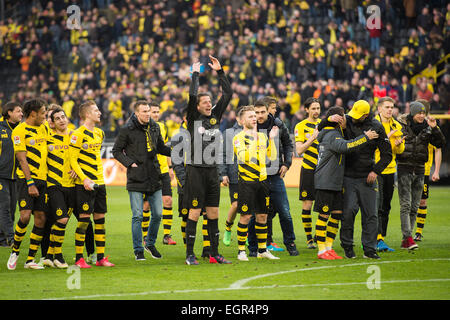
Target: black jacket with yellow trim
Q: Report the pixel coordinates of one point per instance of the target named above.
(329, 172)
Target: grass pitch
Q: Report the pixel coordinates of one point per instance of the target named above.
(422, 274)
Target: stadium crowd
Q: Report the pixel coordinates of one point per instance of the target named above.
(127, 50)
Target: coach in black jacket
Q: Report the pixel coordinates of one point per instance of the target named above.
(136, 146)
(360, 179)
(12, 115)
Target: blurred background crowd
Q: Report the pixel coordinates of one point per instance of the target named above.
(126, 50)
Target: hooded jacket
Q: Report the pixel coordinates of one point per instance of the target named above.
(138, 143)
(417, 138)
(329, 172)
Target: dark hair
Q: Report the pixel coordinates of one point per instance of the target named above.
(310, 101)
(9, 106)
(54, 111)
(332, 111)
(139, 103)
(268, 100)
(203, 94)
(154, 104)
(260, 103)
(33, 105)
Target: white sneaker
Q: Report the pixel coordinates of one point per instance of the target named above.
(242, 256)
(12, 261)
(33, 265)
(47, 263)
(60, 265)
(268, 255)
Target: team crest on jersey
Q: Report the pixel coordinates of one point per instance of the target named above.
(85, 146)
(235, 195)
(304, 194)
(85, 206)
(244, 208)
(16, 140)
(213, 121)
(59, 212)
(32, 142)
(1, 187)
(195, 202)
(51, 148)
(201, 130)
(325, 209)
(23, 203)
(73, 139)
(184, 211)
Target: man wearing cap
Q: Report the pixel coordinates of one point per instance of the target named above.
(360, 178)
(419, 131)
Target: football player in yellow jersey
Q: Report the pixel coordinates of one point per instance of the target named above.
(386, 180)
(436, 154)
(60, 186)
(253, 150)
(165, 166)
(85, 159)
(30, 146)
(306, 143)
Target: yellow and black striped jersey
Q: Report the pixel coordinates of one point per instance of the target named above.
(85, 154)
(252, 154)
(58, 160)
(33, 140)
(163, 166)
(302, 132)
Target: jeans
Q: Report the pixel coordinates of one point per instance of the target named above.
(280, 203)
(410, 187)
(136, 203)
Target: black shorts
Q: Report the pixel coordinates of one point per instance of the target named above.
(182, 210)
(166, 184)
(27, 202)
(253, 197)
(328, 201)
(233, 191)
(306, 188)
(202, 188)
(89, 202)
(426, 187)
(62, 201)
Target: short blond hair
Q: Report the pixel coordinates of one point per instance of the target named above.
(83, 108)
(245, 109)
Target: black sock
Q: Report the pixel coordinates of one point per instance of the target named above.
(191, 230)
(213, 230)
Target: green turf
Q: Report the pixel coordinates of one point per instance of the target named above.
(423, 274)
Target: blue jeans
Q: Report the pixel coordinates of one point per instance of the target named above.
(280, 203)
(137, 203)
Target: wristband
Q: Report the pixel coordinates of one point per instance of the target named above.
(30, 182)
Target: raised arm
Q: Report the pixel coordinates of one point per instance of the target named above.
(227, 92)
(193, 91)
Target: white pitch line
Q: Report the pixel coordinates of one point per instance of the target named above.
(238, 285)
(275, 286)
